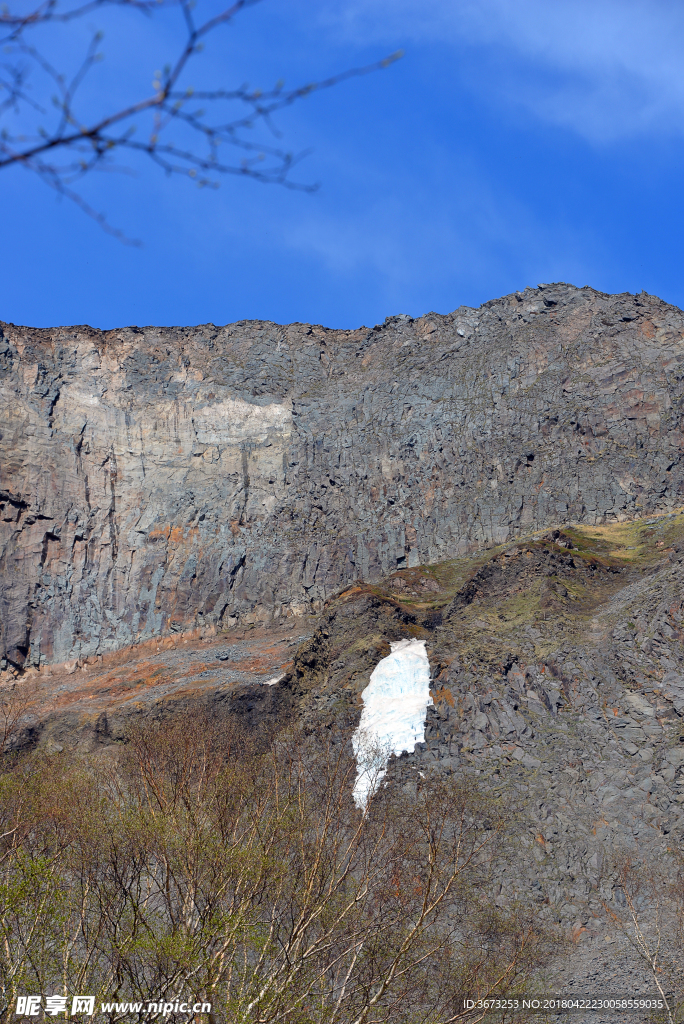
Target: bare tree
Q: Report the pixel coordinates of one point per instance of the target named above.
(184, 131)
(647, 907)
(15, 701)
(204, 868)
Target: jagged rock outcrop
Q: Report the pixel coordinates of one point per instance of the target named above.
(155, 480)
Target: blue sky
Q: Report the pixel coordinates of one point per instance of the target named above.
(514, 143)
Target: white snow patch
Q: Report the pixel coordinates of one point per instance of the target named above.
(393, 717)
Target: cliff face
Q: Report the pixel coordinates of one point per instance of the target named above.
(154, 480)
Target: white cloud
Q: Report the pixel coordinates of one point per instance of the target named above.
(605, 68)
(461, 226)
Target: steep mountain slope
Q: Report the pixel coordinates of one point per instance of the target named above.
(558, 676)
(154, 481)
(557, 680)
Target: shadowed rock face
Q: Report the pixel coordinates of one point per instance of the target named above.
(155, 480)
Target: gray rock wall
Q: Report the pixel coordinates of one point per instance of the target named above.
(161, 478)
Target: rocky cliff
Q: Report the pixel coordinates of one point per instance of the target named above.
(157, 480)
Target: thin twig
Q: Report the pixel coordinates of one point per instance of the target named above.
(176, 116)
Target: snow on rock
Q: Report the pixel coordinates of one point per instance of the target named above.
(393, 717)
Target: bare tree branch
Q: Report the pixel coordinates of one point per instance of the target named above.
(185, 129)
